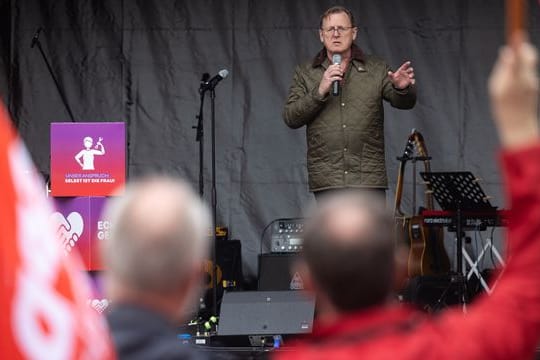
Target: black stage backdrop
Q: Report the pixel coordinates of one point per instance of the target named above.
(141, 62)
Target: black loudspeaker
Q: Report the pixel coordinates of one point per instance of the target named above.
(266, 313)
(229, 274)
(229, 259)
(275, 272)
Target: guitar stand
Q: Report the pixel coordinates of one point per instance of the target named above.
(458, 192)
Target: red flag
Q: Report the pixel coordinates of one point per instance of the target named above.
(43, 295)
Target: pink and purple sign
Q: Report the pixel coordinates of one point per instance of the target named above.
(81, 225)
(88, 159)
(100, 227)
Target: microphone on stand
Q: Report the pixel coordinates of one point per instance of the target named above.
(211, 84)
(336, 60)
(35, 39)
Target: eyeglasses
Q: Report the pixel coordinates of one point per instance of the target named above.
(340, 30)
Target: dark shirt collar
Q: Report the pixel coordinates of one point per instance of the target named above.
(130, 313)
(356, 54)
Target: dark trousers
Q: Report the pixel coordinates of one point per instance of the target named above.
(377, 192)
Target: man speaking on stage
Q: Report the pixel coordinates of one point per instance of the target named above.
(338, 96)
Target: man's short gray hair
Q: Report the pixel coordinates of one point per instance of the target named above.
(159, 235)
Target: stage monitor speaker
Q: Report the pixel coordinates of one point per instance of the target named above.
(275, 272)
(266, 313)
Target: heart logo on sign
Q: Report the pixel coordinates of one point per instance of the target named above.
(100, 305)
(68, 229)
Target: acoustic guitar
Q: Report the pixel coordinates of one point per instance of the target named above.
(427, 254)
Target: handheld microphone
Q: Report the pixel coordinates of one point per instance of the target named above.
(35, 39)
(336, 59)
(211, 84)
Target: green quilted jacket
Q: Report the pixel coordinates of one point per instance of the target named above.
(345, 133)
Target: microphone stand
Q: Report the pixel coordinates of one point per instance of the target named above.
(199, 138)
(214, 200)
(36, 41)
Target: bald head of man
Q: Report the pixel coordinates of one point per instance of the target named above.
(349, 252)
(157, 245)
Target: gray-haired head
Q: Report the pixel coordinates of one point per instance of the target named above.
(336, 10)
(159, 236)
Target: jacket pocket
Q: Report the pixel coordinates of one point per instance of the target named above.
(373, 168)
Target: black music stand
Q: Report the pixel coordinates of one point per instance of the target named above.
(458, 191)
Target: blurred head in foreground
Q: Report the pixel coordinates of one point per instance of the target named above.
(349, 253)
(156, 247)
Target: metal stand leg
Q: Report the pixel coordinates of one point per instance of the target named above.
(488, 246)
